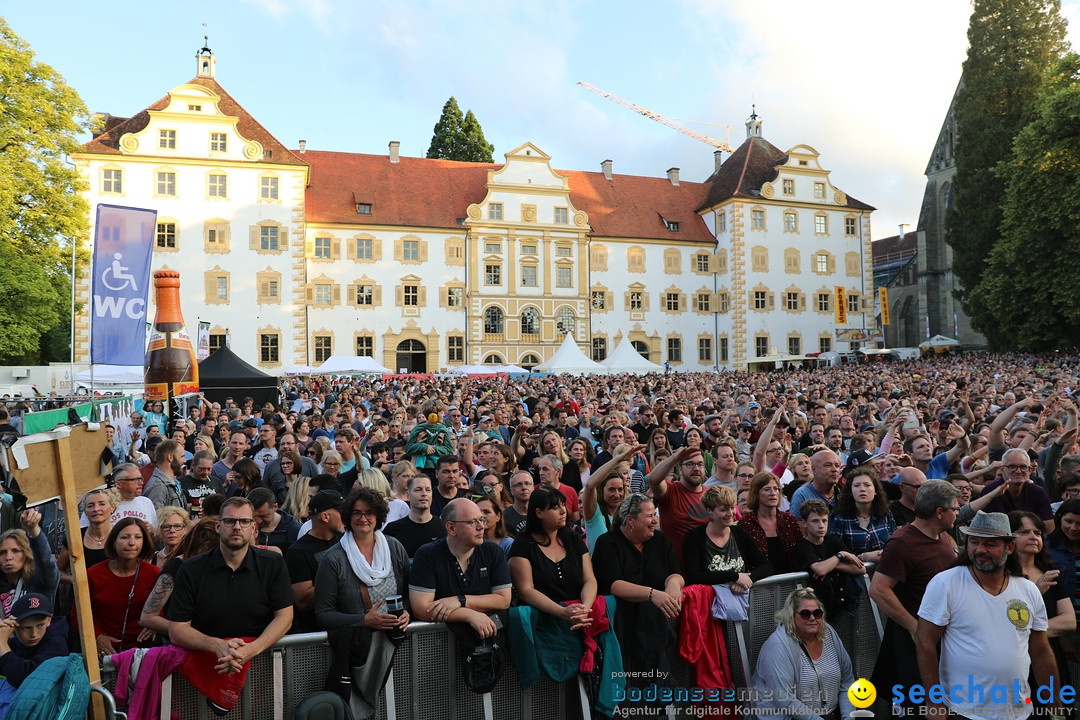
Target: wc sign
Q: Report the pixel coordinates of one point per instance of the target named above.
(123, 245)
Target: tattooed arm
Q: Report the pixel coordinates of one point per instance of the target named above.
(152, 618)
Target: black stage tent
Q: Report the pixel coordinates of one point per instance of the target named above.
(224, 374)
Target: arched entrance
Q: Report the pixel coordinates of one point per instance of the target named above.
(642, 348)
(412, 356)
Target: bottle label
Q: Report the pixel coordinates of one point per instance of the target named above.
(157, 341)
(156, 391)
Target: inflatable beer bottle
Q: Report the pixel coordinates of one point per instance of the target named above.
(171, 369)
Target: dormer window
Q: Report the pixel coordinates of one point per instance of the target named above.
(672, 226)
(363, 208)
(194, 108)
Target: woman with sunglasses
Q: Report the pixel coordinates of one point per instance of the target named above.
(549, 563)
(803, 670)
(314, 451)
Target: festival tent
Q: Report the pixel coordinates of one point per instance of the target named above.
(296, 370)
(570, 360)
(350, 365)
(625, 359)
(223, 374)
(112, 375)
(939, 341)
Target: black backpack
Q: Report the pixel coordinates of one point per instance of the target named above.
(483, 660)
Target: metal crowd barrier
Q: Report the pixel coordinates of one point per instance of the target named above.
(427, 684)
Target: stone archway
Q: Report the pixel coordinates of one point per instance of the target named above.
(411, 355)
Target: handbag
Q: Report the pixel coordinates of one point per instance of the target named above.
(483, 660)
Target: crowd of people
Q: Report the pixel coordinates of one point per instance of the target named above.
(602, 504)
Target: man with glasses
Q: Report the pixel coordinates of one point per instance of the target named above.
(1070, 489)
(129, 485)
(903, 508)
(516, 514)
(679, 502)
(462, 577)
(1020, 492)
(233, 602)
(646, 423)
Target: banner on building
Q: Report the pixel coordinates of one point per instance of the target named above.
(841, 305)
(204, 341)
(883, 298)
(123, 245)
(857, 335)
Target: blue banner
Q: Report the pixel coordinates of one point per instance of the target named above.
(123, 246)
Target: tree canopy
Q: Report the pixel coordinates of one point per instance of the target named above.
(42, 210)
(1011, 42)
(1028, 289)
(459, 137)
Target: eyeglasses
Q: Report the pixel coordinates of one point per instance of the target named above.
(1070, 492)
(369, 514)
(529, 484)
(1018, 468)
(807, 614)
(130, 480)
(914, 485)
(233, 522)
(476, 522)
(172, 527)
(745, 476)
(774, 450)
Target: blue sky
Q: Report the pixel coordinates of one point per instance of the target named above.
(865, 82)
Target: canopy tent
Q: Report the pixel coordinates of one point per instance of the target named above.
(350, 365)
(224, 375)
(939, 341)
(569, 359)
(473, 370)
(112, 375)
(625, 359)
(296, 370)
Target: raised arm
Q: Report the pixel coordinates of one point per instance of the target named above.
(658, 477)
(764, 439)
(588, 494)
(996, 439)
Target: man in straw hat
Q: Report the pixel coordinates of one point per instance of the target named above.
(991, 622)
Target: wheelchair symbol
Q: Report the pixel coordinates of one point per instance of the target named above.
(117, 273)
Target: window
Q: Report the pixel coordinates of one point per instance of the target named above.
(598, 257)
(760, 299)
(852, 302)
(323, 293)
(410, 295)
(794, 346)
(218, 142)
(530, 321)
(757, 219)
(363, 208)
(561, 216)
(217, 341)
(635, 259)
(636, 300)
(704, 349)
(671, 300)
(268, 282)
(791, 261)
(792, 301)
(565, 321)
(824, 302)
(493, 320)
(789, 187)
(165, 237)
(268, 347)
(528, 249)
(723, 302)
(222, 289)
(791, 222)
(455, 348)
(723, 349)
(495, 211)
(674, 350)
(701, 263)
(824, 344)
(365, 346)
(599, 300)
(268, 188)
(528, 275)
(365, 295)
(492, 274)
(194, 108)
(216, 236)
(492, 247)
(703, 301)
(819, 190)
(599, 349)
(167, 139)
(672, 261)
(821, 225)
(821, 263)
(721, 261)
(166, 183)
(564, 251)
(759, 258)
(112, 181)
(268, 238)
(721, 222)
(672, 226)
(365, 249)
(851, 264)
(849, 227)
(761, 346)
(322, 247)
(324, 345)
(410, 250)
(455, 297)
(217, 186)
(564, 277)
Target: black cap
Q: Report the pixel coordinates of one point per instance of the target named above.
(324, 500)
(29, 605)
(251, 422)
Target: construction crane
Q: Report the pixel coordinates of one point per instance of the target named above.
(722, 144)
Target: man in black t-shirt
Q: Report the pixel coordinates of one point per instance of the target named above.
(419, 527)
(516, 514)
(200, 482)
(304, 555)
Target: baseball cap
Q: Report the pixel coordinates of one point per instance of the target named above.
(746, 425)
(324, 500)
(29, 605)
(861, 457)
(251, 422)
(752, 405)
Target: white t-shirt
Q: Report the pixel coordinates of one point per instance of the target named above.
(986, 638)
(141, 507)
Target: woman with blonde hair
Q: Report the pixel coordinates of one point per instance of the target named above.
(373, 478)
(296, 499)
(28, 565)
(172, 523)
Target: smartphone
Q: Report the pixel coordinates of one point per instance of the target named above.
(912, 423)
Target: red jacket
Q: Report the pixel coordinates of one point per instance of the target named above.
(701, 639)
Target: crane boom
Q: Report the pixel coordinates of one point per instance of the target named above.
(659, 118)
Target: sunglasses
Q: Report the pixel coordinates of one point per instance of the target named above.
(807, 614)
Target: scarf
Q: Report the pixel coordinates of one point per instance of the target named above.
(369, 574)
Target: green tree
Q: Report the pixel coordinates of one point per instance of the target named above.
(1010, 43)
(42, 210)
(1028, 289)
(459, 137)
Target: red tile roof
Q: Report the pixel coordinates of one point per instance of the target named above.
(420, 192)
(108, 143)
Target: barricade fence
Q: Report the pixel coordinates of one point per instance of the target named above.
(427, 682)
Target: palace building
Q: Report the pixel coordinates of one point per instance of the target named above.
(294, 255)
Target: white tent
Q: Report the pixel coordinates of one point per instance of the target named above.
(112, 375)
(570, 360)
(297, 370)
(939, 341)
(350, 365)
(625, 359)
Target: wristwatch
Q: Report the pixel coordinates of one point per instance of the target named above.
(461, 599)
(840, 556)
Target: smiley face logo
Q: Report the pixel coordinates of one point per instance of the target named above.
(862, 693)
